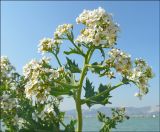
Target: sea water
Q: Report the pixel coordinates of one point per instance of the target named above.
(145, 124)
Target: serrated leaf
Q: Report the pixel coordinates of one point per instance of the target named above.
(103, 87)
(92, 97)
(72, 66)
(104, 99)
(89, 89)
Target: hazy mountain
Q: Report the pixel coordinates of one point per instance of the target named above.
(130, 111)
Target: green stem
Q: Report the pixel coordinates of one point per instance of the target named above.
(57, 59)
(78, 101)
(78, 98)
(66, 85)
(95, 66)
(71, 39)
(62, 124)
(78, 48)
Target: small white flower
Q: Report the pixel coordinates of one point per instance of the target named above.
(48, 45)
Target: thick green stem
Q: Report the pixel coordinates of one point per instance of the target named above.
(78, 98)
(78, 101)
(79, 114)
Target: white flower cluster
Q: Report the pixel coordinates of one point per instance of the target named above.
(7, 74)
(43, 115)
(62, 30)
(39, 75)
(141, 74)
(100, 28)
(7, 102)
(90, 18)
(47, 110)
(6, 66)
(120, 61)
(48, 45)
(19, 122)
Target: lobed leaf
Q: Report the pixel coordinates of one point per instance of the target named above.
(72, 66)
(93, 97)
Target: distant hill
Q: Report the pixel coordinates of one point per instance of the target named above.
(130, 111)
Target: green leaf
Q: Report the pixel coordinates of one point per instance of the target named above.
(89, 89)
(71, 127)
(99, 69)
(58, 91)
(125, 80)
(94, 98)
(72, 66)
(103, 99)
(103, 87)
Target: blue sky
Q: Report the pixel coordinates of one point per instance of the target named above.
(23, 24)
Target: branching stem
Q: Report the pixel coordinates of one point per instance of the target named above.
(71, 40)
(78, 97)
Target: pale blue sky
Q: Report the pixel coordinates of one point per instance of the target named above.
(23, 24)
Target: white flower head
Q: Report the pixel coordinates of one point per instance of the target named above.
(141, 74)
(100, 29)
(48, 45)
(121, 61)
(6, 67)
(62, 30)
